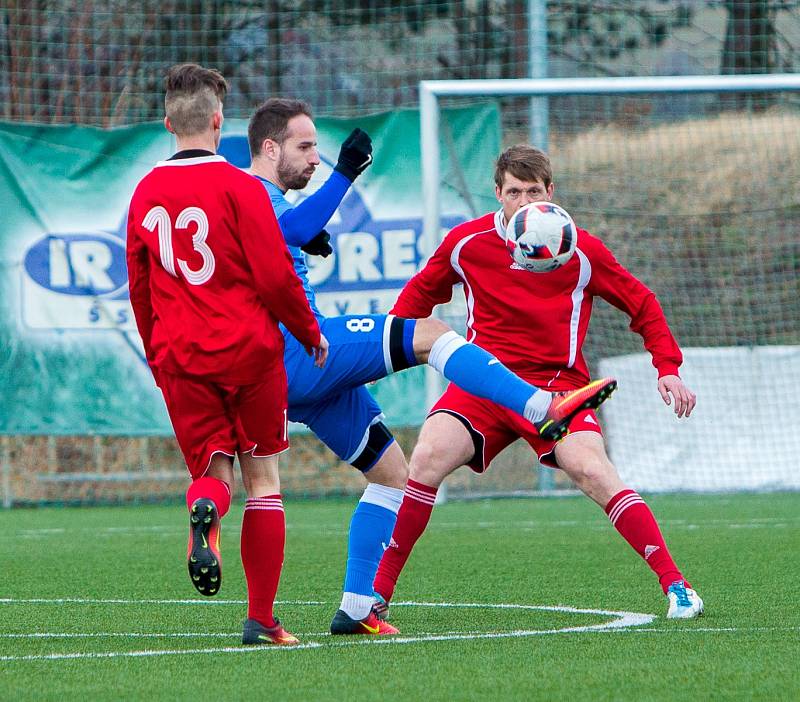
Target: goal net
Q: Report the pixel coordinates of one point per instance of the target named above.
(692, 183)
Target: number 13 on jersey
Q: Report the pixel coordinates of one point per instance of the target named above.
(158, 218)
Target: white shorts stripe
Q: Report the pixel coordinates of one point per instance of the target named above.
(363, 443)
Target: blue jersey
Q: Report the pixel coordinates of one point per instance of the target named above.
(332, 401)
(281, 205)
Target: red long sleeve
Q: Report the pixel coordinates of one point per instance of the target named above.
(139, 287)
(432, 286)
(617, 286)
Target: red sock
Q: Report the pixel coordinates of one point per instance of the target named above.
(263, 539)
(214, 489)
(632, 518)
(413, 517)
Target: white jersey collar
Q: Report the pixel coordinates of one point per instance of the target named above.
(499, 224)
(215, 158)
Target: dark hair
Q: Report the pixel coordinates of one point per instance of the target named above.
(524, 162)
(193, 95)
(271, 120)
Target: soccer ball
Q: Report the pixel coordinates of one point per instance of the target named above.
(541, 237)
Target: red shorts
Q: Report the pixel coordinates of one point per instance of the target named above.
(493, 427)
(211, 418)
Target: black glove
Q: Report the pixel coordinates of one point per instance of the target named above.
(355, 155)
(319, 246)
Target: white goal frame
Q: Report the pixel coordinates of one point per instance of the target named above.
(539, 89)
(431, 90)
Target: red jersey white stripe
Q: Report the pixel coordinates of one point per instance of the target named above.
(467, 288)
(535, 323)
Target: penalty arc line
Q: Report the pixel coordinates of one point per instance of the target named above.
(621, 620)
(427, 636)
(214, 601)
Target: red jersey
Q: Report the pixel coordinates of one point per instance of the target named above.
(535, 323)
(210, 275)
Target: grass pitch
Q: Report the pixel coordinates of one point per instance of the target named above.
(502, 600)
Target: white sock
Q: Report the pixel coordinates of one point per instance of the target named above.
(444, 347)
(384, 496)
(356, 606)
(536, 408)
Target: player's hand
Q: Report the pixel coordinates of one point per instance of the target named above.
(320, 351)
(319, 245)
(355, 155)
(672, 387)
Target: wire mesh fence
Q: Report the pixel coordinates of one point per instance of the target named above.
(102, 62)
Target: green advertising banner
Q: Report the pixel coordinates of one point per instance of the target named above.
(70, 357)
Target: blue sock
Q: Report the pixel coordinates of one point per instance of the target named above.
(371, 529)
(478, 372)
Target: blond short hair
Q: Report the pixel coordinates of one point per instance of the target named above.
(193, 95)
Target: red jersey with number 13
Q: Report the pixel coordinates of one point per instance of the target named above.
(210, 275)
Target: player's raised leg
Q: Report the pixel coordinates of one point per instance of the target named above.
(371, 347)
(583, 458)
(479, 373)
(444, 444)
(208, 500)
(208, 443)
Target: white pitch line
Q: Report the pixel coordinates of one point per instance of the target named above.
(165, 652)
(621, 620)
(209, 601)
(714, 630)
(422, 636)
(119, 634)
(91, 601)
(176, 635)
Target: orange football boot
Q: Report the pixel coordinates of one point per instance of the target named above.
(566, 405)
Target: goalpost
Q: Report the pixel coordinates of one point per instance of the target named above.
(703, 205)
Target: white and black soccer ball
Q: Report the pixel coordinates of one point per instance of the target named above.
(541, 237)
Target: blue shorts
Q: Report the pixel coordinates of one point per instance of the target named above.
(332, 401)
